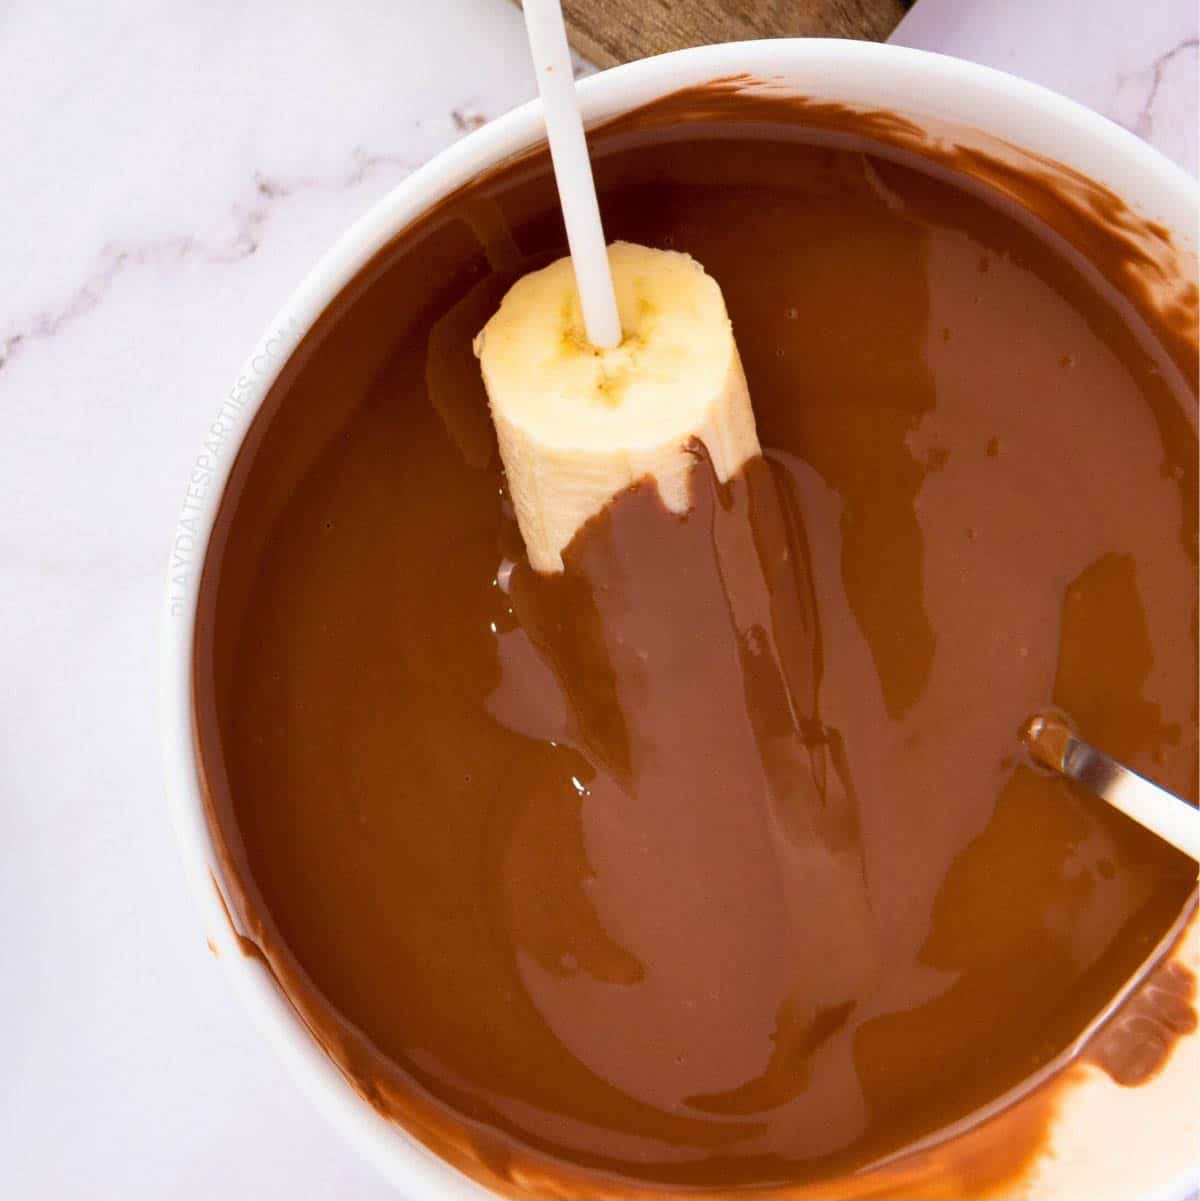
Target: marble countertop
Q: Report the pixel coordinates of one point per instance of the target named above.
(171, 170)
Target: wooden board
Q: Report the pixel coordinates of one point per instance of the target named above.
(614, 31)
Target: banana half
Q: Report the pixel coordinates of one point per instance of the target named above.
(577, 425)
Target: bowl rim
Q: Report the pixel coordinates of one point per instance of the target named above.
(936, 87)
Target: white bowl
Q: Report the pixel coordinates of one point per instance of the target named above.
(1106, 1141)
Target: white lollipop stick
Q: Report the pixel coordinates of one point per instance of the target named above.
(573, 171)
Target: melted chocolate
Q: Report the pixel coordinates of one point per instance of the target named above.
(713, 864)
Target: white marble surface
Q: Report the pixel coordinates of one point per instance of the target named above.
(170, 171)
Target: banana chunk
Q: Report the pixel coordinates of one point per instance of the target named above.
(576, 425)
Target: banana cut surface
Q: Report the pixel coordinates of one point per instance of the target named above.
(576, 424)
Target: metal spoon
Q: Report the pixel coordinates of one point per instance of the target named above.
(1052, 743)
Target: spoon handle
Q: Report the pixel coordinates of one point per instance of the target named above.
(1054, 744)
